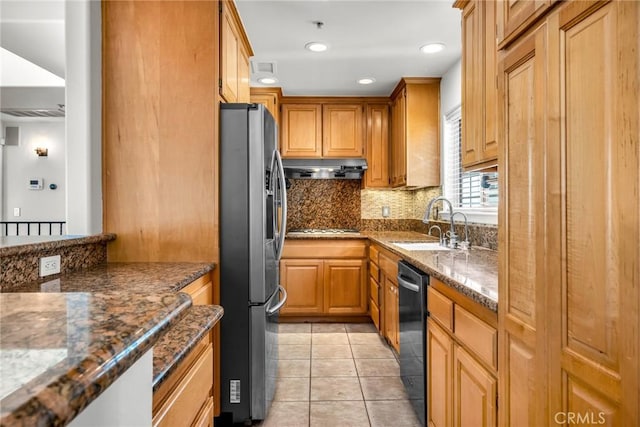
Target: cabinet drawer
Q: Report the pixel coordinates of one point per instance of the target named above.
(183, 405)
(477, 335)
(324, 249)
(440, 308)
(374, 290)
(375, 313)
(374, 272)
(389, 267)
(200, 290)
(373, 254)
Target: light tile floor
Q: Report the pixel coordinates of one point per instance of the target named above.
(335, 374)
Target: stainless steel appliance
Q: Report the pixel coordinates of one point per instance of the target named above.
(412, 284)
(252, 228)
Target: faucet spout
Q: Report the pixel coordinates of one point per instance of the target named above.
(428, 212)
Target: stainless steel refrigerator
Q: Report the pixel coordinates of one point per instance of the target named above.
(252, 227)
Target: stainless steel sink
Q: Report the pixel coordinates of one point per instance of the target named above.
(420, 246)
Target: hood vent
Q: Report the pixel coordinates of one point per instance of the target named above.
(324, 168)
(34, 112)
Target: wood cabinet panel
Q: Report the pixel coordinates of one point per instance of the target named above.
(301, 130)
(200, 290)
(205, 418)
(342, 133)
(270, 98)
(479, 337)
(474, 392)
(345, 289)
(440, 308)
(377, 146)
(519, 384)
(391, 314)
(243, 75)
(398, 141)
(489, 148)
(440, 376)
(325, 249)
(472, 84)
(303, 280)
(374, 311)
(374, 290)
(183, 405)
(229, 41)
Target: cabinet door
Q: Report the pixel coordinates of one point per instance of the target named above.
(268, 100)
(439, 376)
(345, 290)
(474, 392)
(391, 316)
(396, 319)
(472, 83)
(521, 309)
(301, 130)
(302, 278)
(229, 42)
(377, 174)
(516, 12)
(243, 75)
(489, 147)
(342, 134)
(399, 142)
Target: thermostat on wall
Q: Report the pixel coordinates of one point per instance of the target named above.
(36, 183)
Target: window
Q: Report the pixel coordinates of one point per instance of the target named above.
(475, 193)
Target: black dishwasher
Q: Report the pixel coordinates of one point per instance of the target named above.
(412, 285)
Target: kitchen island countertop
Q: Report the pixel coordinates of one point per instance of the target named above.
(65, 339)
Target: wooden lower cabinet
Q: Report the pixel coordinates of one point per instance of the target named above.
(332, 283)
(439, 369)
(345, 290)
(475, 392)
(391, 313)
(185, 396)
(303, 280)
(462, 385)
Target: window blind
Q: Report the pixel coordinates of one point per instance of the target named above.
(465, 189)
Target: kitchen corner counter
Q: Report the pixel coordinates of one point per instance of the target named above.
(473, 273)
(60, 351)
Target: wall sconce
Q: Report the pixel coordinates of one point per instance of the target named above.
(42, 152)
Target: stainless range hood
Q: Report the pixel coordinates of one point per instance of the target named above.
(324, 168)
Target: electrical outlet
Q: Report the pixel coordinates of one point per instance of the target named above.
(49, 265)
(386, 211)
(16, 211)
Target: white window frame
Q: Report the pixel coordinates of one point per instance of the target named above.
(487, 215)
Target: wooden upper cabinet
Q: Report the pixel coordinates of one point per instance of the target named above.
(517, 15)
(479, 85)
(342, 134)
(301, 130)
(377, 146)
(415, 135)
(270, 98)
(235, 51)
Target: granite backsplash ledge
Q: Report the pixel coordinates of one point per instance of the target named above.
(20, 263)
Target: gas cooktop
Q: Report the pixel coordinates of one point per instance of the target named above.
(324, 230)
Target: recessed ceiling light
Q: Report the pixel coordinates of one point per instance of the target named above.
(366, 81)
(316, 46)
(432, 48)
(268, 80)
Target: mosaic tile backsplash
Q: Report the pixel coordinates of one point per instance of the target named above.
(343, 204)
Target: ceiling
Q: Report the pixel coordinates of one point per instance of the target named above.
(366, 38)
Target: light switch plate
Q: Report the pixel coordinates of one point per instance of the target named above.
(49, 265)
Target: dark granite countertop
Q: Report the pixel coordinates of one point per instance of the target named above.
(119, 310)
(139, 278)
(16, 245)
(172, 348)
(473, 273)
(60, 351)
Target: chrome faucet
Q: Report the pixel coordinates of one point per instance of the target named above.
(465, 243)
(453, 237)
(443, 239)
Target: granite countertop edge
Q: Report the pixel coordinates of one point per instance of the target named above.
(177, 343)
(89, 384)
(196, 274)
(55, 244)
(326, 236)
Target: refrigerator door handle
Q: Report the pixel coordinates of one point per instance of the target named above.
(276, 308)
(408, 285)
(283, 202)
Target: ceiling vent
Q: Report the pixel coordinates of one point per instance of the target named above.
(34, 112)
(260, 67)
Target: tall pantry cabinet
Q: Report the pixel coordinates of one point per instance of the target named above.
(569, 217)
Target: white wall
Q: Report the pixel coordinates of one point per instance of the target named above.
(84, 117)
(20, 163)
(451, 88)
